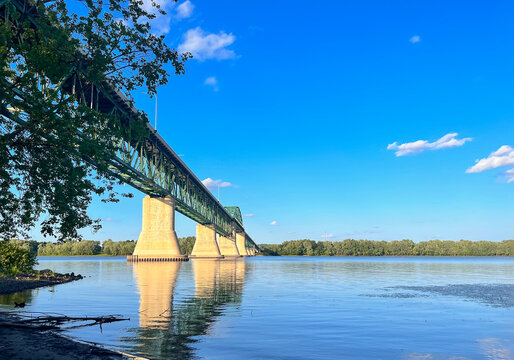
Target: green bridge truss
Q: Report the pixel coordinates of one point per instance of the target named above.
(149, 165)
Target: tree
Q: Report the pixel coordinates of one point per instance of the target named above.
(118, 248)
(50, 137)
(86, 247)
(186, 244)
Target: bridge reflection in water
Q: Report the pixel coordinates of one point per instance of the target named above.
(168, 330)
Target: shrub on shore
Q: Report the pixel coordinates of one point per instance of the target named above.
(15, 259)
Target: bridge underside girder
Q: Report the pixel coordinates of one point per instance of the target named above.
(158, 240)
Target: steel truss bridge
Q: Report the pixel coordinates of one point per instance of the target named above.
(150, 164)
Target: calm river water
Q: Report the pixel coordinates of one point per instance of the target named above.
(291, 308)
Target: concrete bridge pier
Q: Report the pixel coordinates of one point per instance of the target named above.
(251, 251)
(228, 247)
(158, 240)
(240, 242)
(205, 244)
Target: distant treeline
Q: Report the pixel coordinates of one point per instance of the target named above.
(91, 247)
(86, 247)
(350, 247)
(186, 244)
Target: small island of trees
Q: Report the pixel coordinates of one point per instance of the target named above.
(351, 247)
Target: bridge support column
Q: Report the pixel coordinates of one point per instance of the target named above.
(251, 251)
(228, 247)
(240, 242)
(158, 240)
(205, 244)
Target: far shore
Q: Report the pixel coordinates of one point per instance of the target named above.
(319, 256)
(392, 256)
(99, 255)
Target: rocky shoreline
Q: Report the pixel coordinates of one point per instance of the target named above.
(12, 284)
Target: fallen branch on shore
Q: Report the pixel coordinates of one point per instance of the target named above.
(51, 322)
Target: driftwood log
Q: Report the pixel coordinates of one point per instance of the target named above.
(57, 322)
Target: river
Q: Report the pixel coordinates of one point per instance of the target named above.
(290, 307)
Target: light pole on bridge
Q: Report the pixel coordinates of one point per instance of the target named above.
(155, 112)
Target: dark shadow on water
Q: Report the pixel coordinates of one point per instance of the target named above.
(24, 296)
(496, 295)
(169, 331)
(396, 295)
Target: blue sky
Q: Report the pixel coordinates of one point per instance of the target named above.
(294, 105)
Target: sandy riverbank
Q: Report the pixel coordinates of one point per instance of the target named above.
(36, 344)
(31, 343)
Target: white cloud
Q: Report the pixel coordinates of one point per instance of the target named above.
(213, 82)
(108, 220)
(416, 147)
(510, 175)
(207, 46)
(415, 39)
(327, 236)
(273, 223)
(214, 184)
(249, 215)
(504, 156)
(161, 23)
(185, 10)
